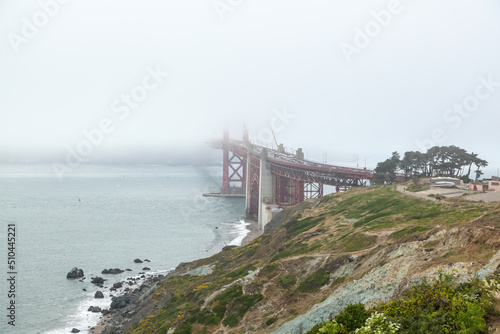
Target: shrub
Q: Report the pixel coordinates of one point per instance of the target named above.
(378, 323)
(184, 329)
(271, 321)
(441, 306)
(353, 316)
(287, 281)
(332, 327)
(231, 321)
(315, 281)
(239, 307)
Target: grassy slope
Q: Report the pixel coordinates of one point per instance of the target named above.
(285, 275)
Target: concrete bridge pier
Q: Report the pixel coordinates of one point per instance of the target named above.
(267, 184)
(248, 181)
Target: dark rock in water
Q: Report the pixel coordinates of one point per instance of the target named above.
(146, 268)
(112, 271)
(84, 289)
(128, 269)
(142, 272)
(97, 280)
(75, 273)
(98, 294)
(138, 261)
(105, 311)
(94, 309)
(146, 260)
(142, 276)
(117, 285)
(120, 302)
(74, 330)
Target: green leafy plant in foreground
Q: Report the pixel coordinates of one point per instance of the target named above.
(442, 306)
(378, 323)
(353, 316)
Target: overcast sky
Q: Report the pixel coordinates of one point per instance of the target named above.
(354, 79)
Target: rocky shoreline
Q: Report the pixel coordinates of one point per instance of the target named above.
(124, 309)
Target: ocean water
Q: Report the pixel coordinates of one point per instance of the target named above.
(102, 217)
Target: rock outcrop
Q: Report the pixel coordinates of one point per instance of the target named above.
(75, 273)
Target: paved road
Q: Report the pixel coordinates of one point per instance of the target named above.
(493, 196)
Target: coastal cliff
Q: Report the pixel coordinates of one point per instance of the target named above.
(365, 246)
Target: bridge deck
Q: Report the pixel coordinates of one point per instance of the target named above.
(289, 165)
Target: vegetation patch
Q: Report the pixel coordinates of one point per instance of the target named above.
(298, 225)
(239, 307)
(442, 306)
(271, 321)
(315, 281)
(351, 318)
(287, 281)
(385, 202)
(240, 272)
(359, 241)
(408, 231)
(269, 271)
(295, 248)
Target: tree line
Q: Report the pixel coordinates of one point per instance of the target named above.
(450, 161)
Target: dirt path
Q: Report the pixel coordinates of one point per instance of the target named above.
(381, 239)
(434, 191)
(402, 189)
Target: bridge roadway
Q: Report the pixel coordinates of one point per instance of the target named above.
(290, 166)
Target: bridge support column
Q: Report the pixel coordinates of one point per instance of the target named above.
(234, 170)
(266, 194)
(248, 182)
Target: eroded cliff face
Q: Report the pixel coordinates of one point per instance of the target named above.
(367, 245)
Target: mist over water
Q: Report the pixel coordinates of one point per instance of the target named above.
(102, 217)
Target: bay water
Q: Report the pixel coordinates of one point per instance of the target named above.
(99, 217)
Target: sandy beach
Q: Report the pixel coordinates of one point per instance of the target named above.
(254, 232)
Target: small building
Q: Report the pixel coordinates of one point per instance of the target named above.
(473, 186)
(494, 185)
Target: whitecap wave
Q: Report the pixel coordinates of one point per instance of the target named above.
(241, 230)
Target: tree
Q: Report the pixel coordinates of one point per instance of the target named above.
(451, 161)
(480, 163)
(386, 171)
